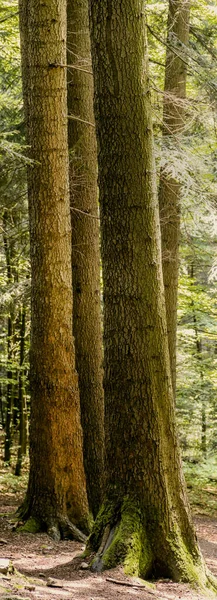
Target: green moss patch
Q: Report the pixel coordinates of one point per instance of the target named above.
(31, 526)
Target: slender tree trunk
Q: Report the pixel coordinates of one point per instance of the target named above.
(9, 393)
(198, 343)
(56, 486)
(2, 407)
(21, 397)
(170, 188)
(85, 247)
(10, 333)
(144, 522)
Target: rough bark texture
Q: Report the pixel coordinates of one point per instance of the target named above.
(56, 483)
(85, 247)
(144, 522)
(169, 188)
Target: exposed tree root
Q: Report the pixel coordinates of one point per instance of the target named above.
(57, 528)
(70, 531)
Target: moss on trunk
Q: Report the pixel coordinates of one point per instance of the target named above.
(123, 536)
(145, 523)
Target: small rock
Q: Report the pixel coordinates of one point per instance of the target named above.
(30, 588)
(2, 541)
(46, 549)
(54, 583)
(84, 566)
(4, 565)
(41, 574)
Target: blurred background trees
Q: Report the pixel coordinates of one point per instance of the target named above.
(14, 248)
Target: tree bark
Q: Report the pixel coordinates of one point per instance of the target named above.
(85, 247)
(56, 486)
(169, 188)
(144, 522)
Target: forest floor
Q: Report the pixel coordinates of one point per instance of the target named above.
(41, 569)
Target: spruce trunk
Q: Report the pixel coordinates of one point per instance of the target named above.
(144, 522)
(85, 246)
(169, 188)
(56, 486)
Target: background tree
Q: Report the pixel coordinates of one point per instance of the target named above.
(191, 163)
(174, 122)
(85, 246)
(14, 244)
(144, 522)
(56, 486)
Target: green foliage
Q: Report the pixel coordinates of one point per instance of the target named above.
(190, 158)
(202, 486)
(11, 485)
(14, 235)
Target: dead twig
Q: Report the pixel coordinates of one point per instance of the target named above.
(130, 584)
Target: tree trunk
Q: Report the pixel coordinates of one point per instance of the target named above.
(9, 393)
(56, 486)
(85, 247)
(199, 357)
(170, 188)
(144, 522)
(2, 407)
(9, 257)
(21, 397)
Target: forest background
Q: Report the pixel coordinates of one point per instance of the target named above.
(193, 163)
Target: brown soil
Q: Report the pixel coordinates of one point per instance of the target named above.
(48, 570)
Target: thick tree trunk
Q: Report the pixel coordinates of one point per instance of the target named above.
(144, 522)
(169, 188)
(56, 483)
(85, 247)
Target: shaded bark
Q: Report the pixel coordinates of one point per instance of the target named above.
(56, 486)
(169, 187)
(144, 522)
(85, 247)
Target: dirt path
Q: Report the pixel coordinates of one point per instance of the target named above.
(48, 570)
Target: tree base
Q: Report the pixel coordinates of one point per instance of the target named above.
(122, 541)
(57, 528)
(121, 536)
